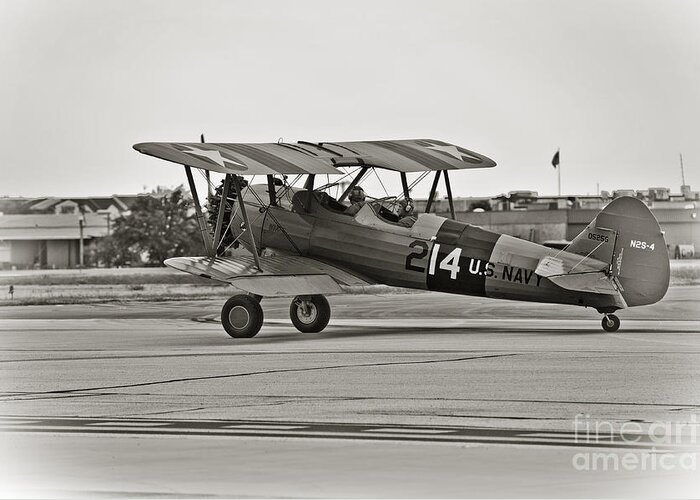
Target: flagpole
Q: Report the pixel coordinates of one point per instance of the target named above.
(556, 163)
(559, 173)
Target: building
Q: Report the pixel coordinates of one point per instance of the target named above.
(49, 241)
(45, 232)
(15, 204)
(115, 205)
(541, 219)
(102, 205)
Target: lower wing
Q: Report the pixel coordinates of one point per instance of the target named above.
(281, 275)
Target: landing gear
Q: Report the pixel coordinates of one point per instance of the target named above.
(310, 313)
(610, 323)
(242, 316)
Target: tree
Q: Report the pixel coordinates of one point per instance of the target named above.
(110, 252)
(158, 228)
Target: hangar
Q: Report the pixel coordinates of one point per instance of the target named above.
(49, 241)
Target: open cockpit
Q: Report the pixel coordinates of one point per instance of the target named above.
(390, 209)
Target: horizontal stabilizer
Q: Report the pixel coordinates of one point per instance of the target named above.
(550, 266)
(565, 263)
(591, 283)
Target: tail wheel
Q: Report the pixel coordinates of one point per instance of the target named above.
(610, 323)
(310, 313)
(242, 316)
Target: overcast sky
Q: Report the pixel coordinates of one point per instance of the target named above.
(614, 84)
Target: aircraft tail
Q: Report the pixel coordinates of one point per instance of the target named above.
(626, 235)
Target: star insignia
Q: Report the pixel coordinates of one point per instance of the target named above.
(213, 154)
(450, 150)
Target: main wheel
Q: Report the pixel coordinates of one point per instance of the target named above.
(310, 313)
(242, 316)
(610, 323)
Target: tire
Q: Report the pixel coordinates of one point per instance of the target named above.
(242, 316)
(610, 323)
(318, 313)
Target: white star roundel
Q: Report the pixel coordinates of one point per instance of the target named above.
(213, 154)
(450, 150)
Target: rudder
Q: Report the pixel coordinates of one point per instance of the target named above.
(627, 235)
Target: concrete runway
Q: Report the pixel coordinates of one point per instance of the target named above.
(402, 396)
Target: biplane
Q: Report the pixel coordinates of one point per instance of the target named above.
(305, 243)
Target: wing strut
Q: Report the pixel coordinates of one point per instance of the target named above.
(429, 205)
(271, 190)
(222, 210)
(244, 213)
(309, 186)
(354, 182)
(449, 195)
(200, 217)
(404, 185)
(207, 173)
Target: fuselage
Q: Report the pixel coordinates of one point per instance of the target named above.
(434, 253)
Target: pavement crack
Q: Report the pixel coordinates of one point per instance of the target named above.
(165, 412)
(75, 392)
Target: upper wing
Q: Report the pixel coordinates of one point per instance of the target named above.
(281, 275)
(241, 159)
(317, 158)
(412, 155)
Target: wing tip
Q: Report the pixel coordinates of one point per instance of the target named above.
(141, 147)
(484, 161)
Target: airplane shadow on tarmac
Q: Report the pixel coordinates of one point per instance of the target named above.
(266, 336)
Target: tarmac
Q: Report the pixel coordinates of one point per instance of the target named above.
(403, 395)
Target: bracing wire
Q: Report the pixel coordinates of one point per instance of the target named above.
(210, 184)
(588, 255)
(380, 181)
(336, 183)
(235, 213)
(272, 216)
(288, 185)
(417, 181)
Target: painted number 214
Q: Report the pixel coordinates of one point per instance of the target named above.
(449, 263)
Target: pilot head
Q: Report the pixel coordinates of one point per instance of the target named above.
(405, 207)
(357, 195)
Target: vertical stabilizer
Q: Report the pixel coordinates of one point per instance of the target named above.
(626, 235)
